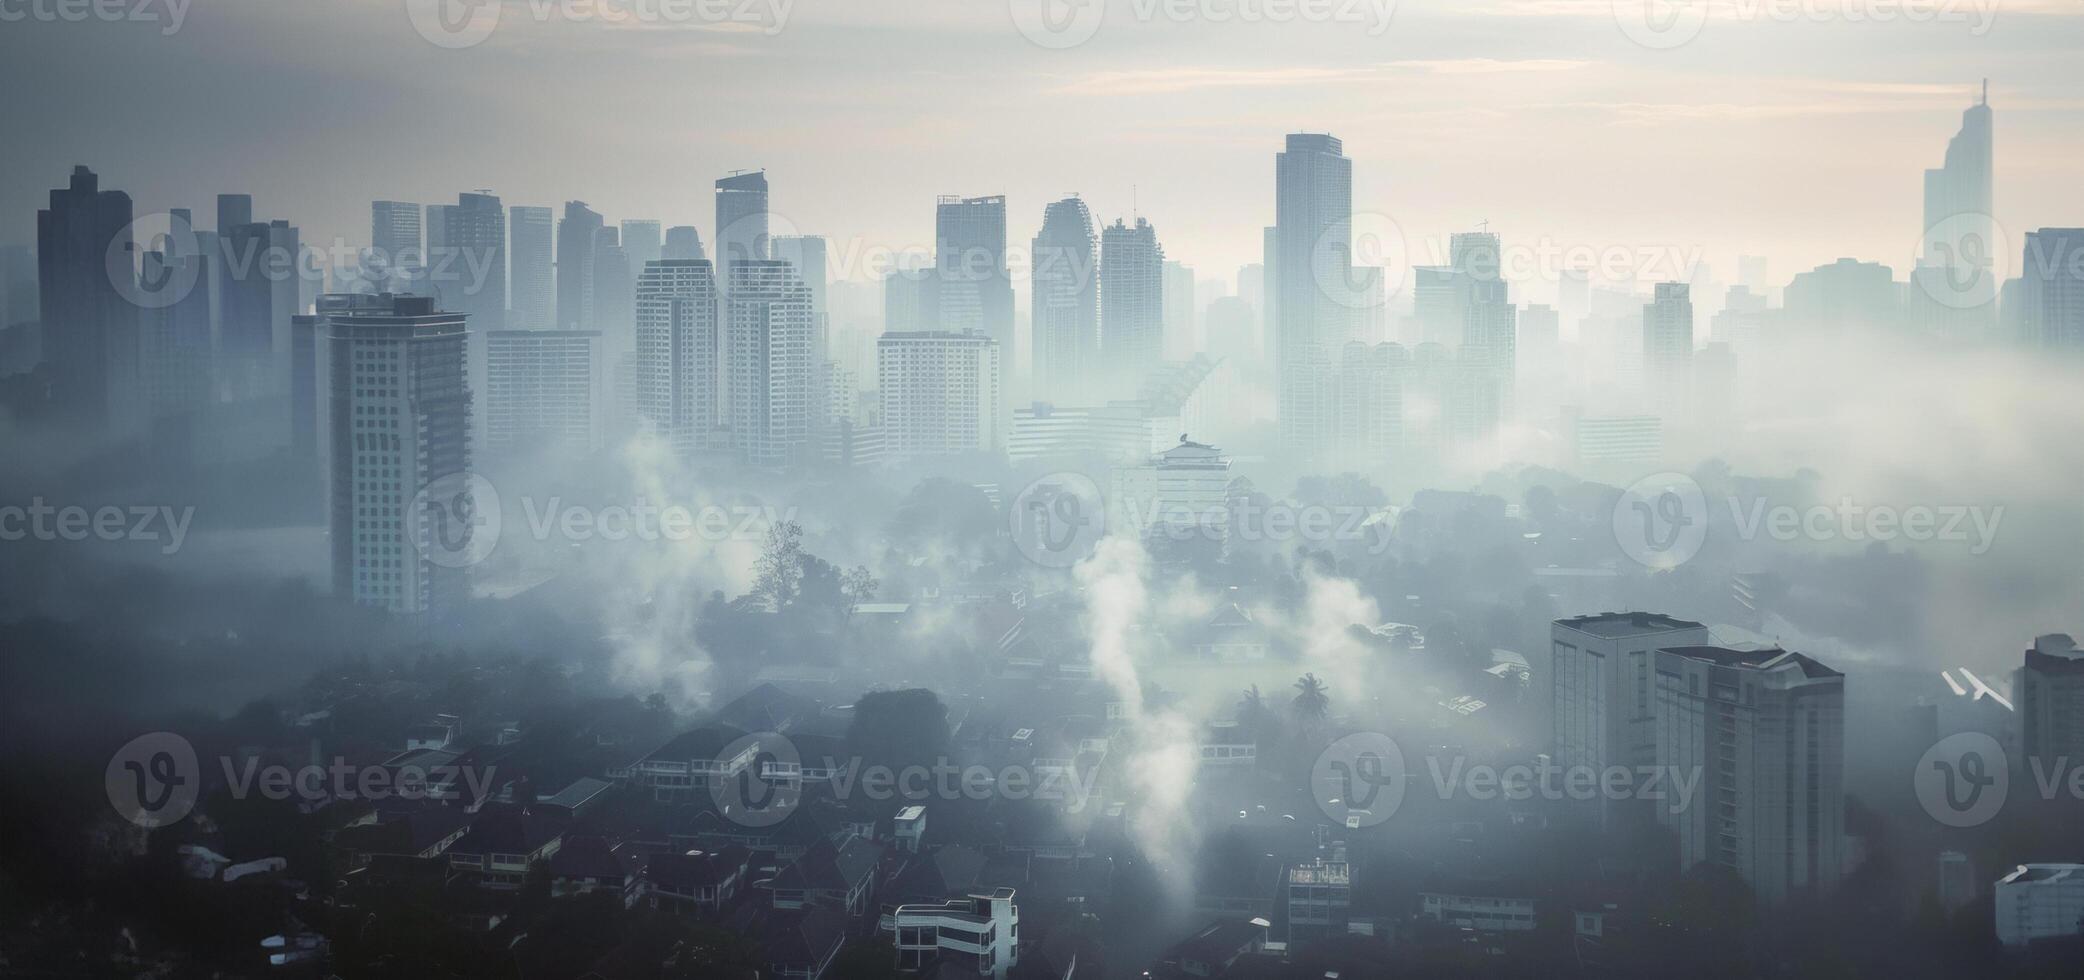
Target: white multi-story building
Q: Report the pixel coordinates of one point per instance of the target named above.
(1602, 667)
(398, 419)
(677, 350)
(940, 393)
(1764, 729)
(771, 379)
(544, 391)
(1182, 493)
(2040, 901)
(979, 934)
(1620, 439)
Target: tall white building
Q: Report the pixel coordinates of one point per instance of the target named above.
(1313, 236)
(1132, 303)
(1603, 667)
(397, 255)
(677, 351)
(398, 420)
(531, 290)
(544, 392)
(1064, 296)
(1668, 349)
(771, 383)
(2040, 901)
(978, 935)
(1765, 731)
(940, 393)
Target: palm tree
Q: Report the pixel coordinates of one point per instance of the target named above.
(1311, 702)
(1251, 710)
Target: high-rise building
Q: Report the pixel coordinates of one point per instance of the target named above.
(467, 258)
(398, 416)
(1177, 302)
(1313, 216)
(768, 352)
(1370, 392)
(908, 300)
(175, 359)
(1269, 287)
(1064, 303)
(18, 285)
(2050, 692)
(1765, 731)
(1604, 672)
(682, 242)
(806, 254)
(576, 236)
(940, 393)
(532, 294)
(89, 329)
(2051, 290)
(973, 289)
(1668, 348)
(1960, 238)
(397, 257)
(544, 392)
(677, 350)
(1846, 294)
(1132, 303)
(741, 220)
(640, 238)
(614, 293)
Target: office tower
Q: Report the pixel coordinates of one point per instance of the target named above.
(396, 258)
(641, 240)
(260, 288)
(467, 258)
(1313, 215)
(576, 235)
(2050, 693)
(544, 392)
(908, 300)
(1959, 235)
(1604, 672)
(1668, 348)
(768, 346)
(1064, 303)
(532, 294)
(677, 351)
(17, 285)
(614, 293)
(1176, 297)
(398, 417)
(1436, 304)
(1269, 287)
(1370, 402)
(2039, 901)
(741, 220)
(1846, 294)
(2051, 290)
(806, 254)
(1132, 304)
(1179, 494)
(683, 242)
(175, 350)
(973, 289)
(940, 393)
(89, 329)
(1765, 729)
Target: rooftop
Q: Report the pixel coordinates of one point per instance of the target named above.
(1613, 625)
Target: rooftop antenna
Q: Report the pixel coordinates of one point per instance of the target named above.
(1484, 225)
(1986, 92)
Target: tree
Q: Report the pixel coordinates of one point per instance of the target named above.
(1312, 703)
(858, 585)
(778, 574)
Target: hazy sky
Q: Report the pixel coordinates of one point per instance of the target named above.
(1781, 128)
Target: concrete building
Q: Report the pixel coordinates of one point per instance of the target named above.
(677, 352)
(940, 393)
(2040, 901)
(1132, 304)
(1180, 494)
(1065, 303)
(2050, 693)
(978, 935)
(770, 382)
(532, 285)
(1313, 217)
(544, 392)
(1602, 667)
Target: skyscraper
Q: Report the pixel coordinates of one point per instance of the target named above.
(399, 413)
(741, 219)
(1178, 285)
(768, 349)
(806, 254)
(575, 257)
(973, 289)
(467, 258)
(640, 238)
(677, 348)
(2050, 690)
(1765, 731)
(86, 323)
(544, 392)
(940, 392)
(1064, 301)
(682, 242)
(1132, 304)
(1603, 671)
(614, 293)
(396, 255)
(532, 295)
(2051, 290)
(1313, 213)
(1668, 348)
(1959, 231)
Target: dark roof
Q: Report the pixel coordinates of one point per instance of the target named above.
(589, 857)
(1765, 658)
(684, 873)
(1615, 625)
(767, 708)
(829, 868)
(403, 832)
(706, 742)
(509, 830)
(799, 938)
